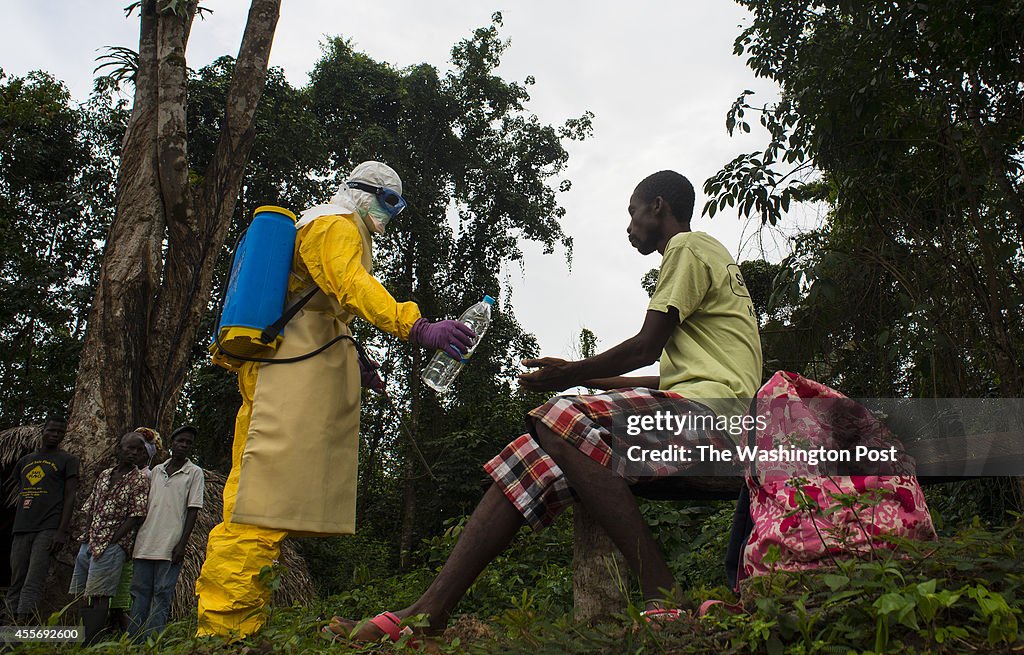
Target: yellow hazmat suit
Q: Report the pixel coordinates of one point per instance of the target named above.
(294, 456)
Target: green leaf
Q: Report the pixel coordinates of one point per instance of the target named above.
(891, 602)
(835, 582)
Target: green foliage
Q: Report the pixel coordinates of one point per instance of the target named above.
(588, 343)
(963, 594)
(903, 118)
(953, 505)
(938, 599)
(537, 564)
(957, 596)
(56, 190)
(649, 281)
(760, 276)
(693, 537)
(123, 65)
(344, 562)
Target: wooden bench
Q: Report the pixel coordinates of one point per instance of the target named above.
(596, 594)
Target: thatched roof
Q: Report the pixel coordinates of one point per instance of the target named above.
(296, 585)
(14, 444)
(18, 441)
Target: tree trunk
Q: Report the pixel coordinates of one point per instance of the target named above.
(599, 573)
(149, 302)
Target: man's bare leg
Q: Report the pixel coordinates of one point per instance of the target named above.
(494, 524)
(607, 497)
(490, 529)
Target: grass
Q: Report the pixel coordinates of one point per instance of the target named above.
(963, 594)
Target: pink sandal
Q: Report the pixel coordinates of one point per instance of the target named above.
(387, 622)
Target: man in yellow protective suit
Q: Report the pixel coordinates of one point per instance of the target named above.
(294, 456)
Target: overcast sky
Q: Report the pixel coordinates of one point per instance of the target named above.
(659, 77)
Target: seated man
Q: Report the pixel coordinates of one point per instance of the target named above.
(114, 511)
(702, 325)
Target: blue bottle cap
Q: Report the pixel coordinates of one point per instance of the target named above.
(488, 300)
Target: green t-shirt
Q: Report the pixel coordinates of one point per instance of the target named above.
(715, 353)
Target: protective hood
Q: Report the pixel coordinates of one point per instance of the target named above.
(350, 201)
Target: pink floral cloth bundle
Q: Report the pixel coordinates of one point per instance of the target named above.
(810, 514)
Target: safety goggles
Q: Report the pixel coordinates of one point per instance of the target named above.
(392, 203)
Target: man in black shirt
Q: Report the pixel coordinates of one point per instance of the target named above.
(48, 479)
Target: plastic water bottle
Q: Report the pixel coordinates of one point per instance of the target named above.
(443, 368)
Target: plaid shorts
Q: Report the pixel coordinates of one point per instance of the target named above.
(596, 425)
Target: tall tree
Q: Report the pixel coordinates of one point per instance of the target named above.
(906, 120)
(170, 221)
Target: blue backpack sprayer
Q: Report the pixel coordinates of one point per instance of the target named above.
(252, 308)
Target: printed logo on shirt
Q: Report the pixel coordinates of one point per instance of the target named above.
(736, 282)
(35, 476)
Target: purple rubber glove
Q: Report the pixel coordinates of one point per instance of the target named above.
(453, 337)
(368, 376)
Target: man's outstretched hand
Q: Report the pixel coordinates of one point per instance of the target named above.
(552, 374)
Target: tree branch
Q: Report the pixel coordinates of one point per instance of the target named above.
(196, 235)
(172, 134)
(108, 387)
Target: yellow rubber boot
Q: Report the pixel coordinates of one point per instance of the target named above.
(233, 600)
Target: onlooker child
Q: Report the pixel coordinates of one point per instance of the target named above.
(115, 509)
(175, 498)
(48, 479)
